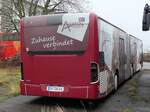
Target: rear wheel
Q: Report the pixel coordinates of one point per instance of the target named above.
(141, 66)
(132, 72)
(116, 82)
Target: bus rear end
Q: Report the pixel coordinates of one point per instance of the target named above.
(57, 57)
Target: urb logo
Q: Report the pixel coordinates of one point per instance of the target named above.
(67, 26)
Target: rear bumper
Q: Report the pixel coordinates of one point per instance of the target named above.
(81, 92)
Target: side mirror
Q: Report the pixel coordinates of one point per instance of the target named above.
(102, 58)
(146, 18)
(146, 22)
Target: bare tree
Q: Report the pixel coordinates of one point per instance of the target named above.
(22, 8)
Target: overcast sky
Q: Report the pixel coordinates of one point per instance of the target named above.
(126, 14)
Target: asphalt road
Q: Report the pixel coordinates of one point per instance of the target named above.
(132, 96)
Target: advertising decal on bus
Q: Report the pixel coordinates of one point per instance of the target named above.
(66, 33)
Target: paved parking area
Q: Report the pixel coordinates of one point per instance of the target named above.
(132, 96)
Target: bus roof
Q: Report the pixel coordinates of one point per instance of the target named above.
(135, 37)
(53, 19)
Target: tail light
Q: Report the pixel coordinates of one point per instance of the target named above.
(94, 72)
(22, 78)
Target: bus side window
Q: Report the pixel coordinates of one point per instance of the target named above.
(102, 59)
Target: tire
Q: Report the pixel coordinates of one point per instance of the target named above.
(132, 72)
(141, 67)
(116, 82)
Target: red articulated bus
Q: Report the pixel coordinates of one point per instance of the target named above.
(75, 55)
(9, 45)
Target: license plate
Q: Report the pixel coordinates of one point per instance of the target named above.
(55, 88)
